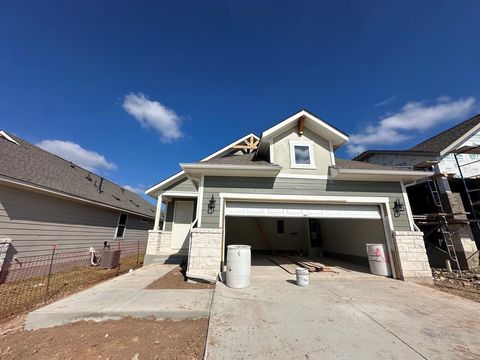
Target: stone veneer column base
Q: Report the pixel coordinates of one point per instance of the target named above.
(158, 246)
(412, 256)
(205, 253)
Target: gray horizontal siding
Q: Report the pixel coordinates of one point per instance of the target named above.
(184, 184)
(286, 186)
(35, 221)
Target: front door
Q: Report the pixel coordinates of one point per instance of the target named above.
(182, 220)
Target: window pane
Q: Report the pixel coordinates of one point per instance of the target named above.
(123, 219)
(302, 154)
(120, 230)
(280, 227)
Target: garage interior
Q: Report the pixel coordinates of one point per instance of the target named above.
(322, 239)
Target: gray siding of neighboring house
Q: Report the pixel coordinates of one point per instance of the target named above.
(171, 210)
(34, 221)
(285, 186)
(184, 185)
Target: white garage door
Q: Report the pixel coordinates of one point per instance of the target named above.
(327, 211)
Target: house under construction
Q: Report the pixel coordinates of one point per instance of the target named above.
(446, 206)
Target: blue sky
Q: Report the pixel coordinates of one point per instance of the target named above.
(131, 89)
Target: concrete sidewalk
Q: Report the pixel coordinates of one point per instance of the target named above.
(125, 296)
(341, 318)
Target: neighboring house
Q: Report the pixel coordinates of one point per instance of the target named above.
(438, 154)
(46, 200)
(286, 191)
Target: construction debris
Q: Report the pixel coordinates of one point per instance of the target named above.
(465, 284)
(289, 263)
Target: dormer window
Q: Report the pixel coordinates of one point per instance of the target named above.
(301, 155)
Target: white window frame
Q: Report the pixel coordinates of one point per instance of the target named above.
(293, 164)
(118, 224)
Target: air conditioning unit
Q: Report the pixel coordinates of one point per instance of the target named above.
(110, 259)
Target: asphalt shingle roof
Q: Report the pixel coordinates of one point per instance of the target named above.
(30, 164)
(439, 142)
(362, 165)
(247, 159)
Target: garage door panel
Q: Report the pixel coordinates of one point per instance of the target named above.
(326, 211)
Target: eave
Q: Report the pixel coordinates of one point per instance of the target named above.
(197, 169)
(405, 176)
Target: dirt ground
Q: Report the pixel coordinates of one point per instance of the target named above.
(466, 284)
(130, 339)
(176, 279)
(25, 295)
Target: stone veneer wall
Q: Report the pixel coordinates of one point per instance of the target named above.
(412, 256)
(159, 243)
(205, 255)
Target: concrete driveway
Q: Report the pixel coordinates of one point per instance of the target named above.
(349, 315)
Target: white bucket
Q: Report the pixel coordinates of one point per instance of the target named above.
(302, 276)
(238, 266)
(378, 260)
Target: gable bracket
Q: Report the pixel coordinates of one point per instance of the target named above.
(301, 124)
(247, 145)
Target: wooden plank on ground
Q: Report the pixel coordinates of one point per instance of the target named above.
(284, 263)
(311, 265)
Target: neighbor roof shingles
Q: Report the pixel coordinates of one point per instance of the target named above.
(30, 164)
(439, 142)
(362, 165)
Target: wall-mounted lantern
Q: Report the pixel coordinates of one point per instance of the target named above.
(397, 207)
(211, 205)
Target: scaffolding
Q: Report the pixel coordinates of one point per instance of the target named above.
(448, 223)
(441, 222)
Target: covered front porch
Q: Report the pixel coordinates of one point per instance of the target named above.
(169, 240)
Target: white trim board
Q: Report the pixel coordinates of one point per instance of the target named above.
(302, 176)
(302, 210)
(307, 198)
(180, 194)
(200, 201)
(8, 137)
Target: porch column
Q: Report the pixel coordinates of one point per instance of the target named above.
(158, 213)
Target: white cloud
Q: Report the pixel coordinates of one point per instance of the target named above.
(73, 152)
(152, 114)
(413, 117)
(140, 190)
(385, 102)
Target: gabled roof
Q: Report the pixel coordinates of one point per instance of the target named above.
(448, 139)
(311, 121)
(24, 164)
(176, 177)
